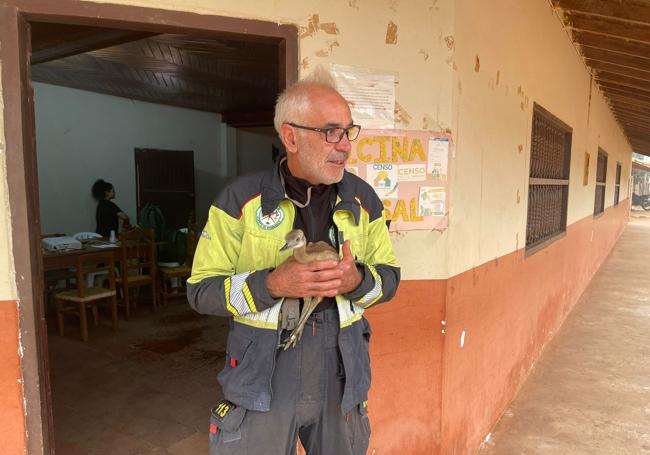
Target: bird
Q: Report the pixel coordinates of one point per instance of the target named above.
(304, 253)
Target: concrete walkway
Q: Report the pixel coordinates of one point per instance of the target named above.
(589, 393)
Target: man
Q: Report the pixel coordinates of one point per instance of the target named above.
(318, 390)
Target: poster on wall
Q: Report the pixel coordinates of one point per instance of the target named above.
(408, 171)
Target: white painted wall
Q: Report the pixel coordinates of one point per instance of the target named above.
(254, 151)
(82, 136)
(509, 55)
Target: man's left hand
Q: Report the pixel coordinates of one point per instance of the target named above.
(351, 277)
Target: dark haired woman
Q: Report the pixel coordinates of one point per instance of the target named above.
(108, 213)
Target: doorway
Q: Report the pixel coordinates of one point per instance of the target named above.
(15, 50)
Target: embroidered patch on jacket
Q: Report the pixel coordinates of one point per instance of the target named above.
(270, 221)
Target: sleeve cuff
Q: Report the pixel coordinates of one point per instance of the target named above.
(366, 285)
(257, 284)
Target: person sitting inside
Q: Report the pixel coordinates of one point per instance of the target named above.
(108, 213)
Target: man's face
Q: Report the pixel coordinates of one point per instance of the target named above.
(315, 159)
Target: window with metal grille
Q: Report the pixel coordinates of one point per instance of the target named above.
(617, 186)
(601, 179)
(548, 186)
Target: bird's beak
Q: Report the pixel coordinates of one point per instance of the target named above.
(286, 246)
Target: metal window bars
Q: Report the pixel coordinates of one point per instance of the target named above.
(601, 180)
(548, 190)
(617, 186)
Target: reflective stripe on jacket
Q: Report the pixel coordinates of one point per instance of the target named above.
(241, 244)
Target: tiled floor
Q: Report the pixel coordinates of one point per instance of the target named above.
(146, 389)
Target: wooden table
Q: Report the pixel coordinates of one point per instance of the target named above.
(67, 259)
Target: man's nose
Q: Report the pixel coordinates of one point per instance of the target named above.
(344, 144)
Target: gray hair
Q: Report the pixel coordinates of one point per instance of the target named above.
(294, 102)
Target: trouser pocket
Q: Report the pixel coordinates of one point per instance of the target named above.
(359, 428)
(225, 422)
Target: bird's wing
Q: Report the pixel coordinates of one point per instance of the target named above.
(321, 251)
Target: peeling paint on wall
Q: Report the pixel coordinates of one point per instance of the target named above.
(314, 25)
(327, 51)
(353, 4)
(401, 116)
(305, 63)
(392, 4)
(425, 54)
(498, 77)
(449, 41)
(477, 64)
(391, 33)
(330, 28)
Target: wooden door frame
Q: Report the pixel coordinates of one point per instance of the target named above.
(20, 148)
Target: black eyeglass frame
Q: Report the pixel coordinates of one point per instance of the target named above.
(346, 131)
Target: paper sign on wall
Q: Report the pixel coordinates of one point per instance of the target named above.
(371, 95)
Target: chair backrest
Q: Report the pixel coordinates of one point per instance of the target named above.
(102, 261)
(137, 252)
(193, 234)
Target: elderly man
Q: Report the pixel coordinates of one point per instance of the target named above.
(318, 390)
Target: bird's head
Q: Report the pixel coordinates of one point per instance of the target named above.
(294, 239)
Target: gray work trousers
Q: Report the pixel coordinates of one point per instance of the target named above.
(307, 390)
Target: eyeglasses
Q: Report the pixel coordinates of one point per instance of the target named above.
(335, 134)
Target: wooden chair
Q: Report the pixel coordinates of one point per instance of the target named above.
(76, 301)
(137, 265)
(173, 279)
(53, 278)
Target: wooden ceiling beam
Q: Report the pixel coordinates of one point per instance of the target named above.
(226, 74)
(610, 90)
(248, 119)
(623, 80)
(617, 58)
(638, 31)
(632, 10)
(610, 87)
(94, 81)
(641, 114)
(624, 107)
(204, 74)
(641, 147)
(610, 43)
(631, 122)
(641, 139)
(85, 39)
(617, 100)
(620, 70)
(226, 50)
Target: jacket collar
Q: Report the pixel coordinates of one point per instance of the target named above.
(273, 193)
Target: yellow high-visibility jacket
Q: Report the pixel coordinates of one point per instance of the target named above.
(240, 245)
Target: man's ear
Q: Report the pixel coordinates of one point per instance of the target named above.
(288, 138)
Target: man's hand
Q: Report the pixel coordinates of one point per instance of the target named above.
(315, 279)
(350, 276)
